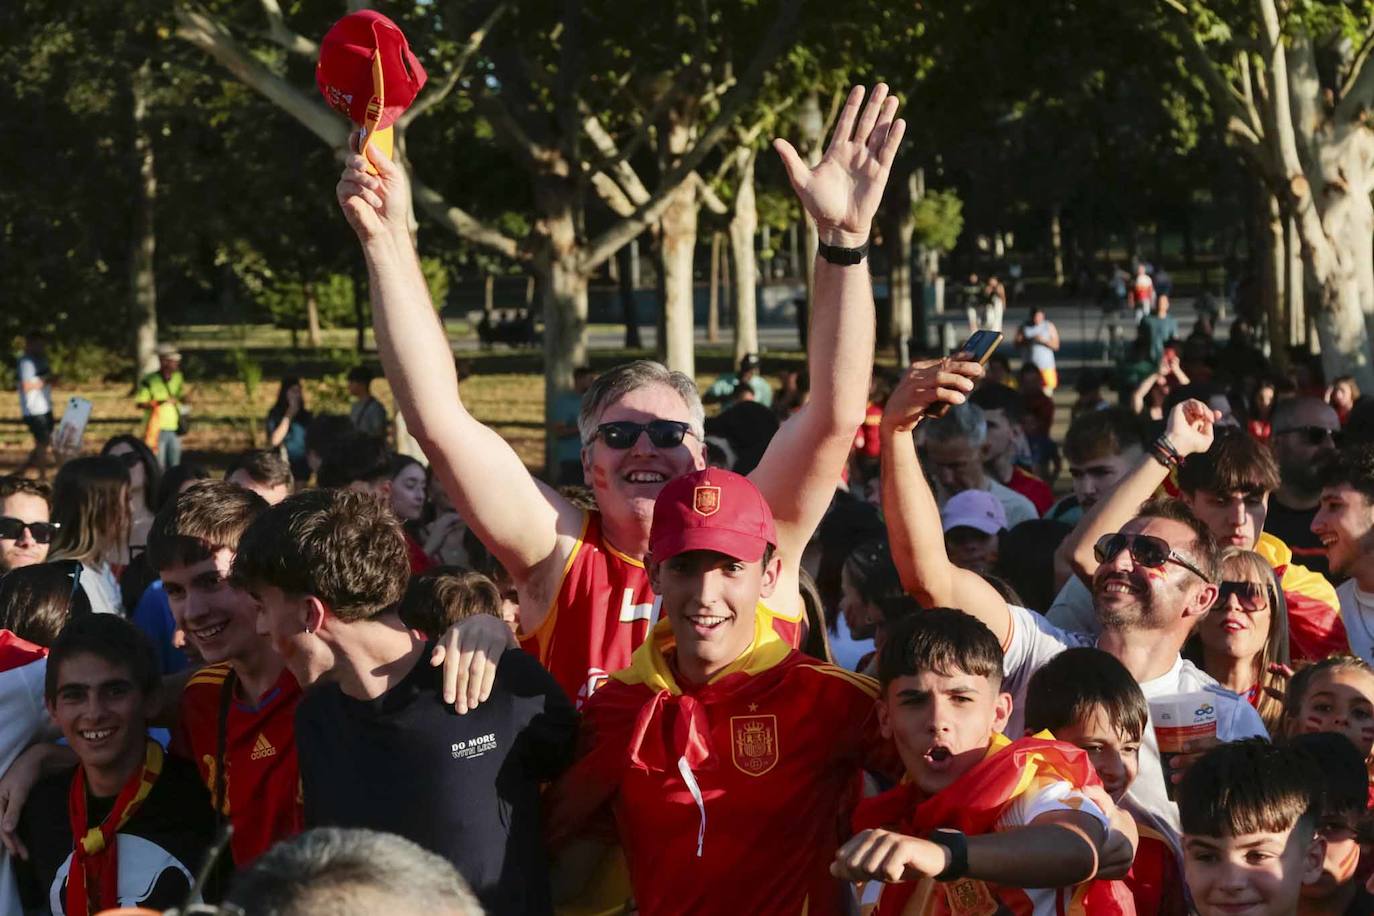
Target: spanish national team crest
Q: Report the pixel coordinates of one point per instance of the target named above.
(706, 500)
(754, 743)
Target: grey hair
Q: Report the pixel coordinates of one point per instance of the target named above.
(347, 873)
(614, 384)
(962, 421)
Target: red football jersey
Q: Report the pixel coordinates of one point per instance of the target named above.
(262, 778)
(1154, 880)
(732, 797)
(603, 611)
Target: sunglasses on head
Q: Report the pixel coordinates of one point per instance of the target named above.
(1312, 435)
(1251, 595)
(1145, 550)
(12, 529)
(624, 433)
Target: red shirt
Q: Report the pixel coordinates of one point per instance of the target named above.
(1031, 487)
(419, 560)
(604, 609)
(773, 748)
(262, 778)
(1154, 880)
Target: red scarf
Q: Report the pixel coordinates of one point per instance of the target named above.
(93, 881)
(973, 802)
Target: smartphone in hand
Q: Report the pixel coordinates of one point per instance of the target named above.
(72, 429)
(980, 346)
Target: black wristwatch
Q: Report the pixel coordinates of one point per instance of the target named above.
(845, 257)
(957, 844)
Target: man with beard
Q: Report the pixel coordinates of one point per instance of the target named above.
(1304, 433)
(585, 598)
(1155, 580)
(1344, 523)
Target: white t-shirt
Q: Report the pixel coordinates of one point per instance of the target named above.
(23, 720)
(1073, 608)
(38, 401)
(102, 588)
(844, 648)
(1034, 641)
(1357, 613)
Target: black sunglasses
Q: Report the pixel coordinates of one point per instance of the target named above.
(1145, 549)
(1312, 435)
(1252, 596)
(12, 529)
(624, 433)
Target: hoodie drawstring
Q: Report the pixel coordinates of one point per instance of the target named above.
(691, 780)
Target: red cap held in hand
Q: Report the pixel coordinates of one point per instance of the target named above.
(715, 510)
(344, 73)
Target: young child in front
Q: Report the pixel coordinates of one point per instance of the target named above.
(1250, 812)
(1086, 697)
(1339, 891)
(1335, 694)
(982, 822)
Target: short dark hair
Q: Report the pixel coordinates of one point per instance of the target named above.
(1345, 781)
(440, 597)
(343, 547)
(1352, 466)
(1000, 397)
(1205, 552)
(941, 640)
(361, 374)
(209, 515)
(1235, 462)
(36, 601)
(264, 466)
(1065, 690)
(13, 485)
(169, 487)
(109, 637)
(350, 872)
(1250, 786)
(326, 429)
(873, 572)
(354, 458)
(1102, 434)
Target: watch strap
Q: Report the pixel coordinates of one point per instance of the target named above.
(845, 257)
(957, 844)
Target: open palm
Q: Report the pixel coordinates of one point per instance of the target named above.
(843, 191)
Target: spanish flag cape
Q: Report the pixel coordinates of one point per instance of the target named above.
(974, 802)
(93, 882)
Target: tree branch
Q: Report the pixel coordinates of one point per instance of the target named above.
(1357, 92)
(470, 47)
(279, 33)
(709, 197)
(1234, 106)
(613, 238)
(624, 174)
(210, 36)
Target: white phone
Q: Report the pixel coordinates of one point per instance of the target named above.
(72, 429)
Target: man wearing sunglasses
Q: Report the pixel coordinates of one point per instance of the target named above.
(1155, 579)
(1304, 435)
(1226, 482)
(25, 531)
(585, 598)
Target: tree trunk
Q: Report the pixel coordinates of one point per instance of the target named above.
(629, 312)
(488, 294)
(713, 295)
(1294, 290)
(565, 325)
(1273, 269)
(142, 275)
(743, 223)
(360, 318)
(901, 227)
(312, 316)
(1057, 246)
(766, 249)
(679, 225)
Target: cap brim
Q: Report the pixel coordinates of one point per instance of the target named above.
(743, 547)
(977, 525)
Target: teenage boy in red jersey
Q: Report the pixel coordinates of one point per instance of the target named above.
(585, 597)
(237, 718)
(720, 743)
(982, 824)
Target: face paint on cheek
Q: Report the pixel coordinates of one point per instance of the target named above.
(1343, 868)
(1315, 723)
(1154, 575)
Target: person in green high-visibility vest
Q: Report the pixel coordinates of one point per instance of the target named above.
(164, 400)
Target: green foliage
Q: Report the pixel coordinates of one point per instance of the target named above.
(79, 361)
(248, 370)
(939, 219)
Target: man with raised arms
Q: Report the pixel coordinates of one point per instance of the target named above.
(585, 598)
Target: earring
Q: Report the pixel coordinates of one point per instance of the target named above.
(309, 630)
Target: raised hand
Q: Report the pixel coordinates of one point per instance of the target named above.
(1190, 427)
(926, 383)
(843, 191)
(376, 206)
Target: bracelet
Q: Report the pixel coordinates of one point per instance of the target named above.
(845, 257)
(1168, 446)
(957, 844)
(1158, 454)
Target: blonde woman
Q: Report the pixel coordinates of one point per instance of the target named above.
(90, 504)
(1243, 640)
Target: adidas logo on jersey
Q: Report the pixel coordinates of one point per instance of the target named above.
(263, 748)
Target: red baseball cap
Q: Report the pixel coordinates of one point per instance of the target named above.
(344, 73)
(715, 510)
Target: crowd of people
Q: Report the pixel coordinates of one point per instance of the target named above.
(756, 663)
